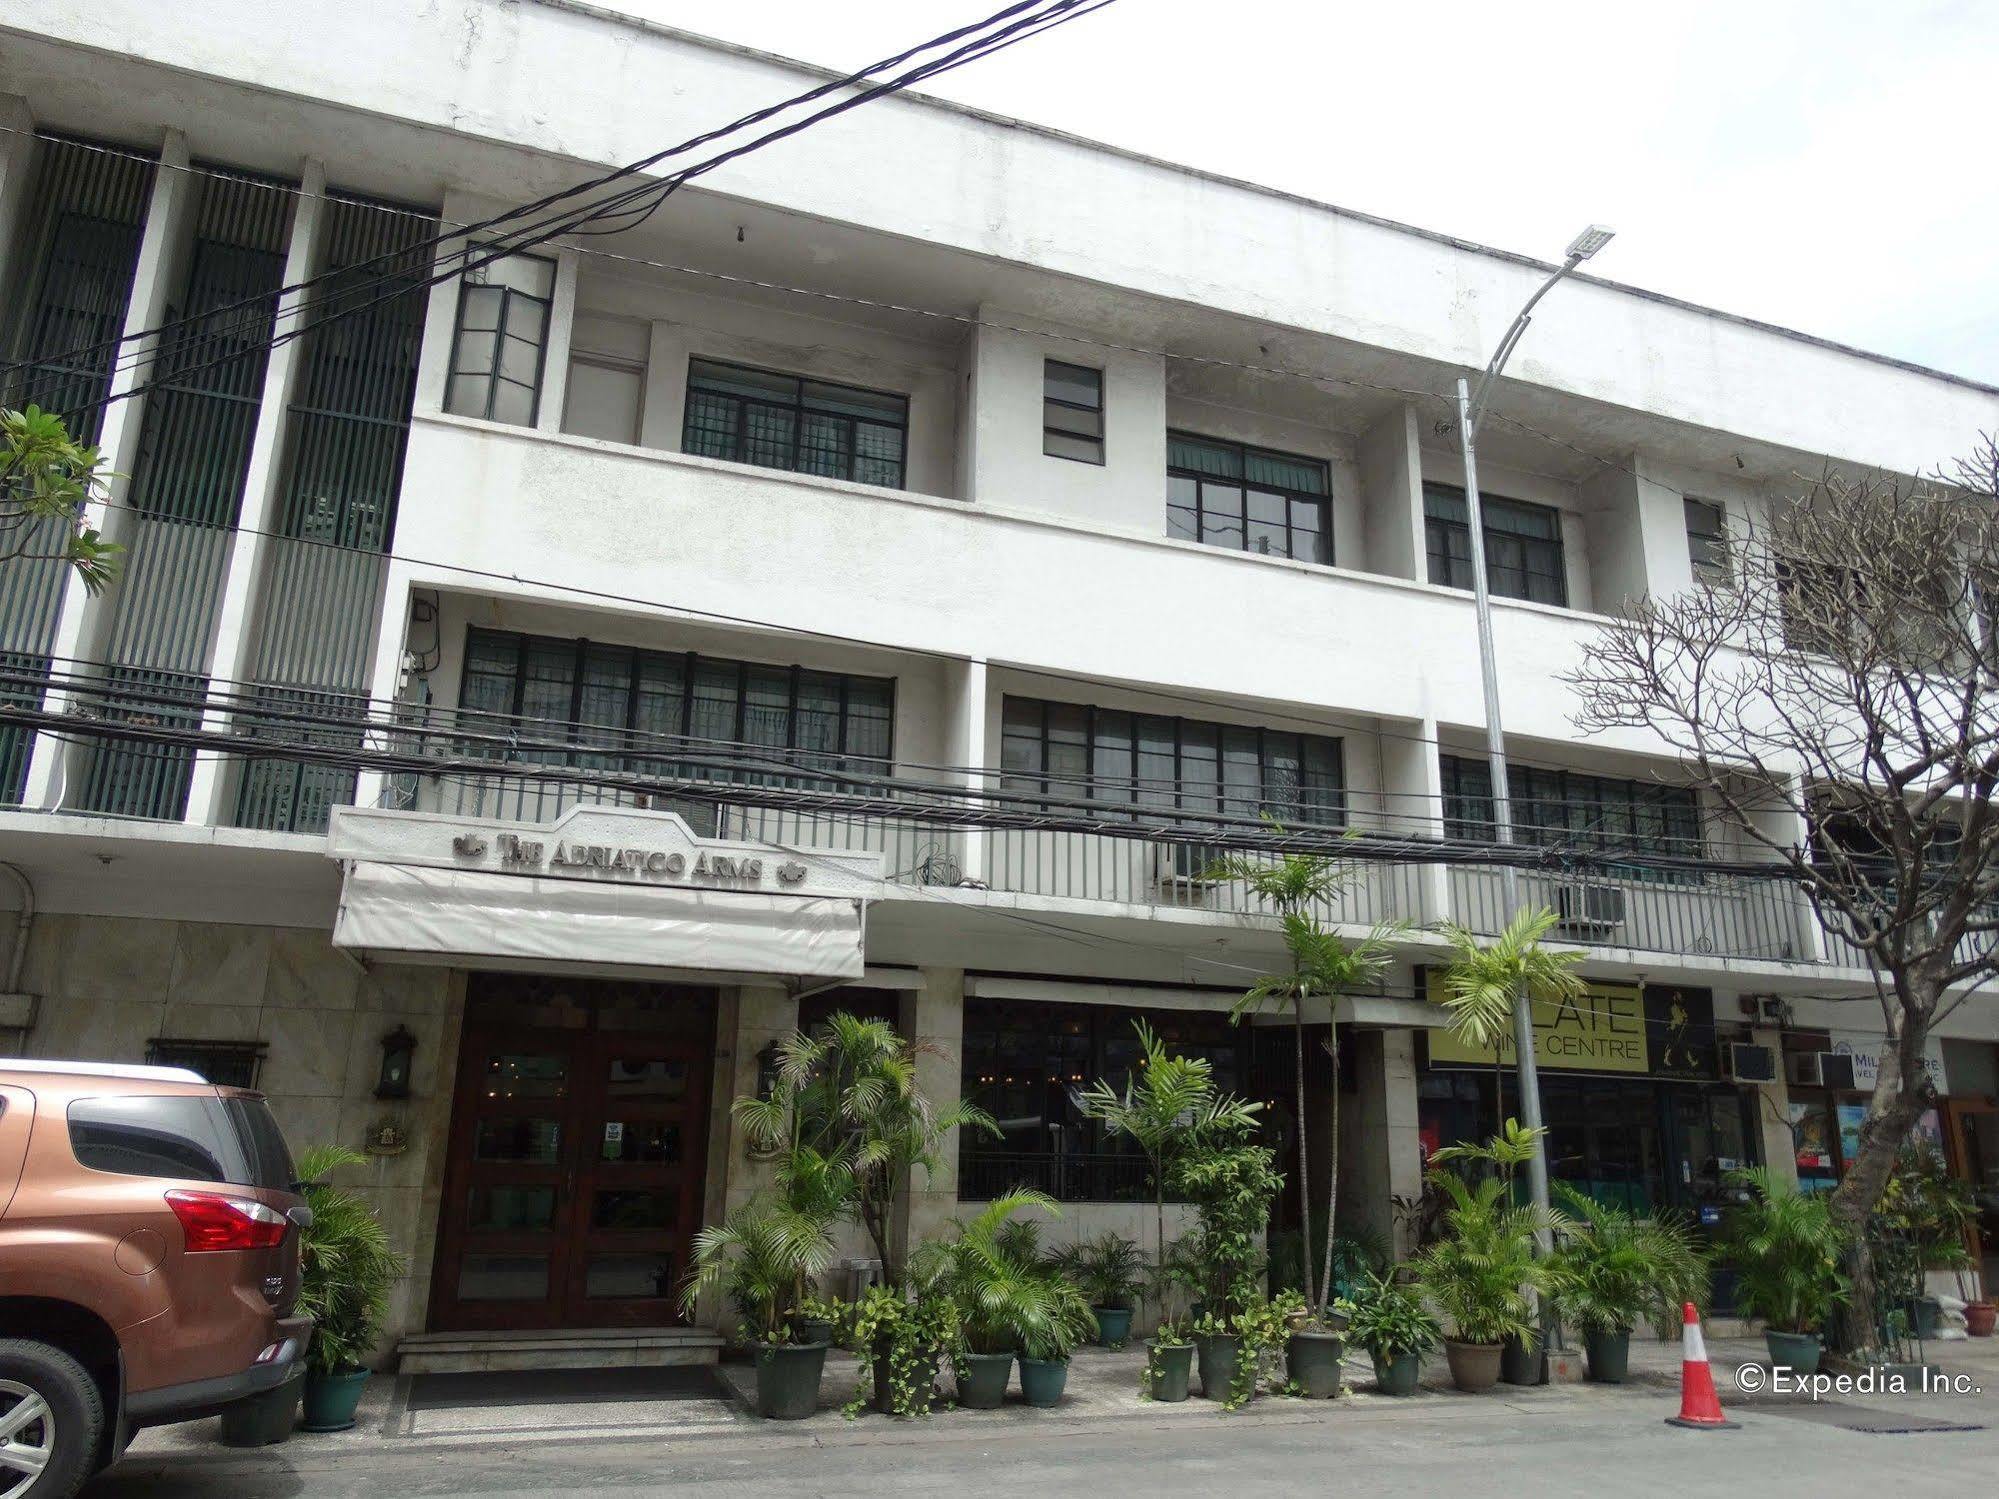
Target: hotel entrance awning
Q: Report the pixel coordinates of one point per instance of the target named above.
(417, 911)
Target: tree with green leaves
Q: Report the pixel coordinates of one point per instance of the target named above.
(847, 1117)
(1010, 1296)
(48, 481)
(1486, 979)
(1323, 966)
(1166, 1100)
(347, 1266)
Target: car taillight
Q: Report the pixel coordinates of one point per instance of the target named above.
(211, 1221)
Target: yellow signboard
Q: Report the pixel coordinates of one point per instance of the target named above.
(1602, 1031)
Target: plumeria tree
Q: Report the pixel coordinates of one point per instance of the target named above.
(48, 481)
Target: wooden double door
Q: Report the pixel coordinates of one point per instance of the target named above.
(573, 1183)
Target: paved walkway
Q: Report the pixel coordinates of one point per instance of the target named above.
(680, 1407)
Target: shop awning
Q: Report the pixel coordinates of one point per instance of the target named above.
(425, 912)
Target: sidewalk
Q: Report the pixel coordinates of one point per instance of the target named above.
(682, 1408)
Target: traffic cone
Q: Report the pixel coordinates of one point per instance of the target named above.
(1700, 1406)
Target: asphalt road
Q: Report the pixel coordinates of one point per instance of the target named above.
(1482, 1445)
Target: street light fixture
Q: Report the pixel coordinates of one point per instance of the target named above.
(1471, 414)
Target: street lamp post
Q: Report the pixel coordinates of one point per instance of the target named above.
(1471, 413)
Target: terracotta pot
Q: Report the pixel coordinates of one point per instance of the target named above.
(1474, 1366)
(1978, 1318)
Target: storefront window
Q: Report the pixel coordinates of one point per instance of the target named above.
(1026, 1064)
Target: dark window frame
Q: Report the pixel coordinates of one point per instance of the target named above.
(596, 743)
(1707, 544)
(1448, 569)
(499, 334)
(1136, 789)
(1534, 790)
(1052, 431)
(235, 1064)
(1322, 500)
(800, 408)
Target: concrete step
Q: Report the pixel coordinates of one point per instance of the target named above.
(557, 1348)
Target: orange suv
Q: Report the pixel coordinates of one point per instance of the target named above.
(149, 1261)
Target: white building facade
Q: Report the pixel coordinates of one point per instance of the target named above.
(921, 455)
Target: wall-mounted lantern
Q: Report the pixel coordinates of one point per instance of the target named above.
(767, 1071)
(397, 1047)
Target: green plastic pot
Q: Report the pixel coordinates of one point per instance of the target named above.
(1172, 1366)
(263, 1419)
(1524, 1362)
(984, 1386)
(1399, 1375)
(814, 1330)
(1609, 1354)
(332, 1399)
(1043, 1379)
(1113, 1325)
(1312, 1360)
(1798, 1351)
(788, 1379)
(926, 1380)
(1925, 1315)
(1216, 1353)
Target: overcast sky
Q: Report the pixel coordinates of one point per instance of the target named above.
(1828, 166)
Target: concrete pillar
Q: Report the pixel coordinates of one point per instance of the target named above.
(933, 1018)
(965, 744)
(1412, 805)
(1773, 1111)
(210, 797)
(84, 621)
(1637, 538)
(440, 321)
(666, 387)
(1391, 495)
(1382, 1150)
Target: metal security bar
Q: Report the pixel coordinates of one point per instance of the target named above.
(64, 308)
(1715, 916)
(347, 429)
(187, 482)
(786, 421)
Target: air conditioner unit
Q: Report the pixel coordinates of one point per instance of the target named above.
(1597, 907)
(1836, 1071)
(1745, 1063)
(1183, 866)
(1802, 1070)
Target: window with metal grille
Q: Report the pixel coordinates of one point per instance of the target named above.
(1707, 542)
(1572, 809)
(784, 421)
(1229, 495)
(1165, 766)
(1072, 411)
(1523, 545)
(623, 710)
(501, 340)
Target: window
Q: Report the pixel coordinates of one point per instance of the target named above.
(1707, 542)
(496, 357)
(1228, 495)
(1025, 1063)
(785, 421)
(1523, 545)
(1152, 761)
(228, 1064)
(606, 698)
(1072, 411)
(186, 1138)
(1570, 809)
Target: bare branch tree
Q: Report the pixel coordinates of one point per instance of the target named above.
(1837, 701)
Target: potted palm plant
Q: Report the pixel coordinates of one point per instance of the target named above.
(1483, 1272)
(766, 1255)
(1109, 1270)
(1392, 1322)
(1787, 1250)
(346, 1270)
(1322, 967)
(1231, 1183)
(1011, 1299)
(1613, 1270)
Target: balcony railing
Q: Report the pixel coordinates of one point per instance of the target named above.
(1686, 914)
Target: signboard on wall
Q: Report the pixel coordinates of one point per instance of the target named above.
(1680, 1025)
(1866, 1053)
(1603, 1031)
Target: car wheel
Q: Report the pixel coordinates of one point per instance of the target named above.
(51, 1416)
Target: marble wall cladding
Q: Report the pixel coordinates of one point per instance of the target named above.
(110, 985)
